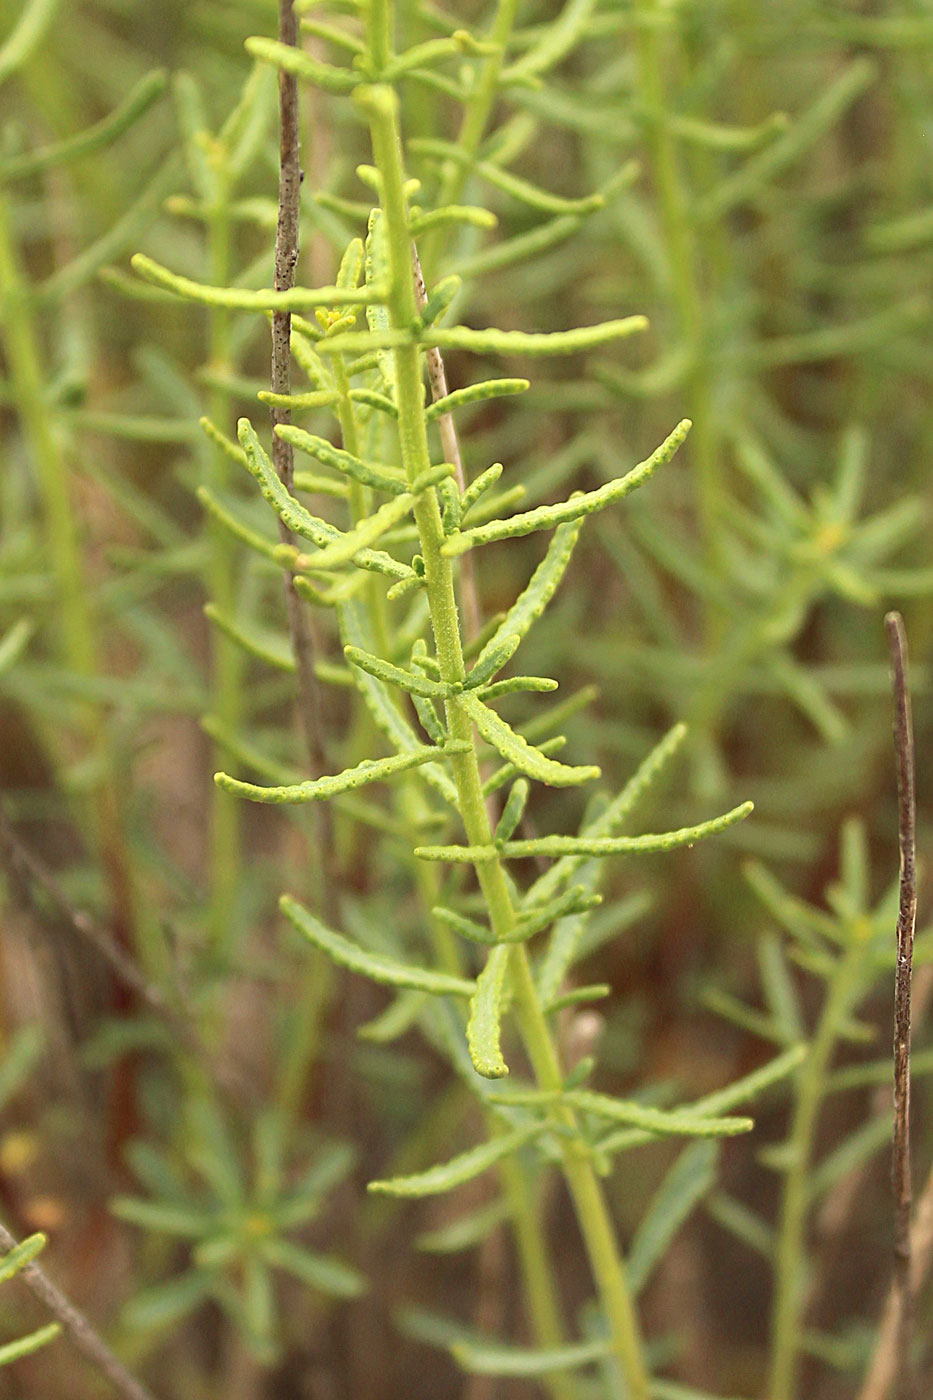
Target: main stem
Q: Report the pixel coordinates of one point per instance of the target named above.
(381, 106)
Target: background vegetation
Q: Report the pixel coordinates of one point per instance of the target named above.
(195, 1134)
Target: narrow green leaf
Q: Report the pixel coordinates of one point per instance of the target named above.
(370, 770)
(243, 299)
(376, 966)
(513, 811)
(762, 169)
(492, 659)
(476, 393)
(467, 928)
(272, 650)
(138, 101)
(377, 524)
(535, 917)
(323, 1272)
(185, 1221)
(624, 845)
(303, 65)
(496, 342)
(395, 675)
(465, 1232)
(741, 1222)
(656, 1121)
(167, 1303)
(595, 991)
(470, 214)
(583, 504)
(482, 483)
(25, 1346)
(380, 478)
(459, 1170)
(26, 34)
(516, 685)
(498, 1360)
(691, 1177)
(517, 751)
(484, 1026)
(21, 1255)
(385, 713)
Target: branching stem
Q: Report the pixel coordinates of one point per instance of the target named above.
(381, 107)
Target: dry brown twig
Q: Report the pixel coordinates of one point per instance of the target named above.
(891, 1371)
(286, 261)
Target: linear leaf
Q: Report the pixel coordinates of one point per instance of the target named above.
(531, 343)
(25, 1346)
(395, 675)
(498, 1360)
(377, 524)
(475, 393)
(370, 770)
(517, 751)
(485, 1023)
(585, 503)
(21, 1255)
(541, 588)
(513, 811)
(684, 1186)
(482, 483)
(243, 299)
(624, 845)
(491, 660)
(140, 98)
(389, 972)
(385, 712)
(464, 1232)
(448, 1175)
(321, 1271)
(663, 1122)
(367, 473)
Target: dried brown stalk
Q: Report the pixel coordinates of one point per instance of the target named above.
(286, 261)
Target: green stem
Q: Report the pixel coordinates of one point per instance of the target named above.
(790, 1254)
(381, 106)
(543, 1306)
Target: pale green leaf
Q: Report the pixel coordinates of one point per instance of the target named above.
(370, 770)
(484, 1027)
(583, 504)
(459, 1170)
(376, 966)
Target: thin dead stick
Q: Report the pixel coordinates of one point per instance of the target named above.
(31, 872)
(906, 923)
(286, 261)
(85, 1338)
(884, 1363)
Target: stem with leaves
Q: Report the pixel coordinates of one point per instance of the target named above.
(381, 107)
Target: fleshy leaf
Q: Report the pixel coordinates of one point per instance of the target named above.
(484, 1026)
(389, 972)
(585, 503)
(370, 770)
(517, 751)
(448, 1175)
